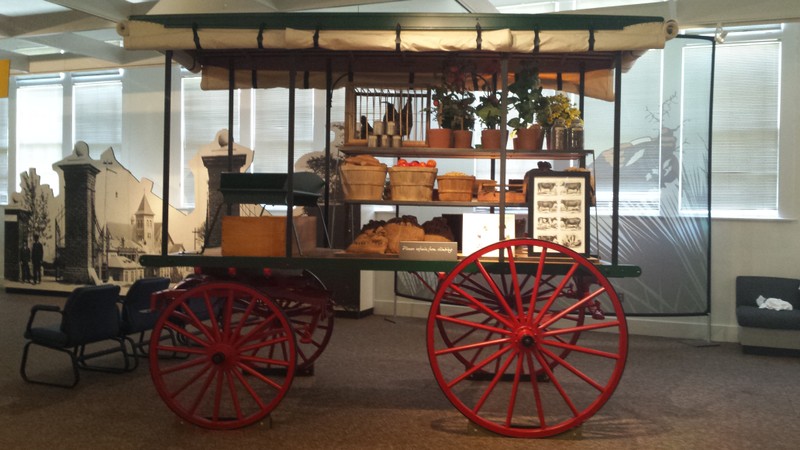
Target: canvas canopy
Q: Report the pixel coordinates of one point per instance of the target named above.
(386, 49)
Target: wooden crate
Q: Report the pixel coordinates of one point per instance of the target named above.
(265, 235)
(489, 191)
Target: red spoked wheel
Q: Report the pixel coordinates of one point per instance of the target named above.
(477, 286)
(240, 355)
(524, 355)
(310, 311)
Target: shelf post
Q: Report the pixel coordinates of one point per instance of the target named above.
(503, 139)
(290, 160)
(166, 156)
(615, 171)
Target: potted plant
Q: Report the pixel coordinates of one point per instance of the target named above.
(557, 108)
(489, 113)
(525, 96)
(453, 107)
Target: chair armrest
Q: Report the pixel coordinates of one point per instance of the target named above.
(35, 309)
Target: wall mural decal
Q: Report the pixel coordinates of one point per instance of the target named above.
(101, 222)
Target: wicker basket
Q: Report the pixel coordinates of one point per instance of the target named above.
(455, 188)
(363, 182)
(413, 184)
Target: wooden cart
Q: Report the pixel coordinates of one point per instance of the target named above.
(511, 331)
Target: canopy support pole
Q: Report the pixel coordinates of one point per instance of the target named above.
(290, 160)
(231, 83)
(615, 177)
(328, 105)
(166, 156)
(503, 135)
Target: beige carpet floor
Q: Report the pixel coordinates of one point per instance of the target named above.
(373, 389)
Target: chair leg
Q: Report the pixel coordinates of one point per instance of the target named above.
(73, 360)
(143, 346)
(129, 359)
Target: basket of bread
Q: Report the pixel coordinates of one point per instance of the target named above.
(363, 178)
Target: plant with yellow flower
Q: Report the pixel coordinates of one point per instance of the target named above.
(557, 107)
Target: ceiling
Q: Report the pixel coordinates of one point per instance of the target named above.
(45, 36)
(40, 36)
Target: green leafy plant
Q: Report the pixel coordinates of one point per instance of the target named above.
(525, 97)
(452, 101)
(488, 109)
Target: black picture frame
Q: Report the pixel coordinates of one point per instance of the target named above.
(558, 208)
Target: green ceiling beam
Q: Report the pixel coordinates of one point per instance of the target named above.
(390, 21)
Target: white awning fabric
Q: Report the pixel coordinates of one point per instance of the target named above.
(632, 40)
(140, 35)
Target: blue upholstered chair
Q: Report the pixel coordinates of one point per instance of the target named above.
(90, 316)
(136, 314)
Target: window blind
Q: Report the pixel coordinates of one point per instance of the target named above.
(746, 126)
(39, 135)
(271, 127)
(203, 114)
(97, 115)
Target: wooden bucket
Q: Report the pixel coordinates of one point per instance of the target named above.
(413, 184)
(363, 182)
(455, 188)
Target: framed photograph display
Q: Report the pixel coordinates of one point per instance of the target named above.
(558, 208)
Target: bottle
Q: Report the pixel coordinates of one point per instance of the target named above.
(576, 135)
(558, 135)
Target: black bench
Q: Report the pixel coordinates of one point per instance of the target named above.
(767, 328)
(271, 189)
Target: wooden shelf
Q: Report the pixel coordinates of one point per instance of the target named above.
(471, 204)
(461, 153)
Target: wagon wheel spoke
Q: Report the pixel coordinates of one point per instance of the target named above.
(517, 353)
(232, 375)
(474, 283)
(312, 323)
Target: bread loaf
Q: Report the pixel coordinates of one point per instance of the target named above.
(371, 241)
(402, 229)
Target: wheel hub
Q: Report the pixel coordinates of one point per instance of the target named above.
(222, 355)
(218, 358)
(526, 338)
(527, 341)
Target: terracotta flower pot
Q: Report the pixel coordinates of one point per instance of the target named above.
(490, 140)
(529, 138)
(462, 139)
(440, 138)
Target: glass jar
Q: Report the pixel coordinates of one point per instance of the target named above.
(575, 136)
(558, 136)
